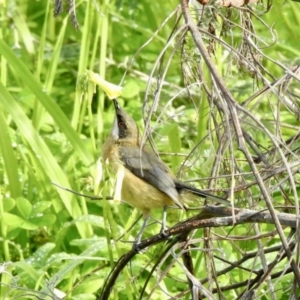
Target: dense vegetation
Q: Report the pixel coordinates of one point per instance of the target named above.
(53, 121)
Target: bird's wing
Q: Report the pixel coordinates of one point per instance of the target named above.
(148, 167)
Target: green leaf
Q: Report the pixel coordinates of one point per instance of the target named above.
(8, 204)
(40, 207)
(73, 263)
(86, 242)
(12, 220)
(15, 221)
(85, 296)
(44, 220)
(24, 207)
(166, 129)
(61, 257)
(24, 32)
(91, 219)
(28, 269)
(41, 255)
(91, 285)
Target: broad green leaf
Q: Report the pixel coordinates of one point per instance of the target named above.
(44, 220)
(40, 207)
(40, 256)
(12, 220)
(8, 204)
(15, 221)
(24, 207)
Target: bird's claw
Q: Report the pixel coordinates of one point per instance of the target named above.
(164, 235)
(136, 247)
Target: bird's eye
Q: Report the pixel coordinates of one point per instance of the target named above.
(121, 124)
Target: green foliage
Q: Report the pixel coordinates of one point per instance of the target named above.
(52, 132)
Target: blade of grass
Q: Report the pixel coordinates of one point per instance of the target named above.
(42, 152)
(9, 159)
(38, 113)
(51, 107)
(87, 37)
(24, 32)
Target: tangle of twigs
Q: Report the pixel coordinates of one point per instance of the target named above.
(243, 167)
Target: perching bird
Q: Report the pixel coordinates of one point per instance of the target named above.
(148, 183)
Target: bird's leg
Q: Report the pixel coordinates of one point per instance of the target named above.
(139, 236)
(163, 224)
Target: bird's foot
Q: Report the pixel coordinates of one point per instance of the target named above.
(162, 234)
(135, 247)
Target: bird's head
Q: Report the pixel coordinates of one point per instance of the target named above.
(124, 126)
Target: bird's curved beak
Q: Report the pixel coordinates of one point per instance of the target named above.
(115, 129)
(116, 104)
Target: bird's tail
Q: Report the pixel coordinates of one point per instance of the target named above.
(181, 186)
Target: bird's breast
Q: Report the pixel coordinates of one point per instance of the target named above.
(135, 191)
(142, 195)
(110, 150)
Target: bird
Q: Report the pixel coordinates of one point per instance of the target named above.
(148, 182)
